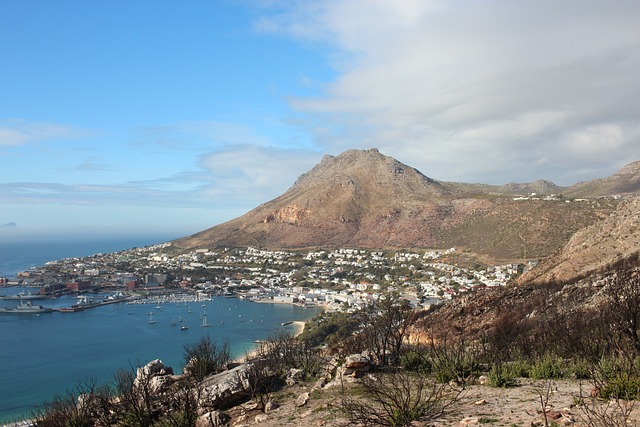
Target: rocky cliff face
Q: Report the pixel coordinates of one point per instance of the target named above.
(362, 198)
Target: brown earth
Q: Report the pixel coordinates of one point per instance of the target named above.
(516, 406)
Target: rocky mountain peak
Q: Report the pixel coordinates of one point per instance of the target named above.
(364, 199)
(356, 170)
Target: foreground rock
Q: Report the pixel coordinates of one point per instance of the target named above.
(227, 388)
(156, 375)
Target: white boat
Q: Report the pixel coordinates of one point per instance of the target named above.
(151, 320)
(204, 321)
(184, 327)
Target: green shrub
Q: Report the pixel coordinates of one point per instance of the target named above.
(416, 362)
(579, 369)
(626, 387)
(446, 370)
(501, 376)
(520, 368)
(548, 367)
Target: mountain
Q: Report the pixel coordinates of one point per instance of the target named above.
(625, 181)
(593, 248)
(364, 199)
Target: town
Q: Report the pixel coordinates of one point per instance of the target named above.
(338, 280)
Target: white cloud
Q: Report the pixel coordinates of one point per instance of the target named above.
(448, 83)
(20, 132)
(251, 174)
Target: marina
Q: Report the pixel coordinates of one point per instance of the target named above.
(42, 356)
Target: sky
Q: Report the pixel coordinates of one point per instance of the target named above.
(167, 117)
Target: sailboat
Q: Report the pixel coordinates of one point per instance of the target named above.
(204, 321)
(151, 320)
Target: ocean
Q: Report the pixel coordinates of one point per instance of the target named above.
(52, 353)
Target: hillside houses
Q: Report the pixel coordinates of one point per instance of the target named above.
(341, 279)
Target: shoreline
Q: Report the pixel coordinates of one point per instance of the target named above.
(298, 326)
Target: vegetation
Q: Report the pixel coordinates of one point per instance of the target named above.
(206, 357)
(411, 379)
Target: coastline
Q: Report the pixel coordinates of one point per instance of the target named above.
(298, 326)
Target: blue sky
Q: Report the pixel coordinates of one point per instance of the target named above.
(168, 117)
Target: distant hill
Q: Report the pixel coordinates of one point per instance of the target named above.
(362, 198)
(625, 181)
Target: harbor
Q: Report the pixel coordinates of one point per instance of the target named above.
(45, 354)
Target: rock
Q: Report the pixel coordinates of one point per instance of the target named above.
(250, 406)
(213, 419)
(293, 376)
(153, 368)
(356, 361)
(469, 421)
(302, 399)
(156, 375)
(161, 384)
(480, 402)
(227, 388)
(270, 406)
(260, 418)
(322, 381)
(356, 365)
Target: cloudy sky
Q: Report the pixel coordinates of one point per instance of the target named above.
(168, 117)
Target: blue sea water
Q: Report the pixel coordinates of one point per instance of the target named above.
(52, 353)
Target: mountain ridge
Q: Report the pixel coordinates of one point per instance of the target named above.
(362, 198)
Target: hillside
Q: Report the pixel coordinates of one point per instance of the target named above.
(362, 198)
(593, 248)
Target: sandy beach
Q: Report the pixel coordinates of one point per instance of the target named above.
(298, 328)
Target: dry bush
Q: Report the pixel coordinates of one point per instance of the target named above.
(396, 397)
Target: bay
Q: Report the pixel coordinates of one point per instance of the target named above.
(52, 353)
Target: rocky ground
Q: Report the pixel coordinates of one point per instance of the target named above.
(516, 406)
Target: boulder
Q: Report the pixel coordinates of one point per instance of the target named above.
(293, 376)
(356, 361)
(302, 399)
(356, 365)
(227, 388)
(322, 381)
(270, 406)
(152, 369)
(156, 375)
(260, 418)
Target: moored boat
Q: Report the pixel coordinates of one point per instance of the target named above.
(23, 296)
(26, 308)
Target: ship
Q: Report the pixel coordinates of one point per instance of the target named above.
(23, 296)
(82, 303)
(26, 308)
